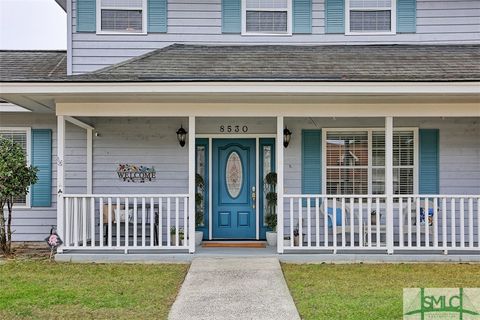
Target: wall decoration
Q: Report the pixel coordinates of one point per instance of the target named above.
(132, 173)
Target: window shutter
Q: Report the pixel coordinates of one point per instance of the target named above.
(429, 161)
(157, 15)
(231, 16)
(42, 159)
(334, 16)
(311, 162)
(302, 16)
(86, 16)
(406, 16)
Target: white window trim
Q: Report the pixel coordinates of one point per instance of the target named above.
(28, 132)
(370, 166)
(99, 19)
(393, 18)
(289, 21)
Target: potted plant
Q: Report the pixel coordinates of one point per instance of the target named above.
(199, 207)
(296, 237)
(173, 240)
(271, 207)
(181, 236)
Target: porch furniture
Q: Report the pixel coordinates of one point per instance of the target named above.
(424, 218)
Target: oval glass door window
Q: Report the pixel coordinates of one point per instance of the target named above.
(234, 174)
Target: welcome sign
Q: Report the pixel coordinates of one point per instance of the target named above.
(132, 173)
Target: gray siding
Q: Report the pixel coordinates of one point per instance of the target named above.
(199, 21)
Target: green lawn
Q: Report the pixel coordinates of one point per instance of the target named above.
(368, 291)
(39, 289)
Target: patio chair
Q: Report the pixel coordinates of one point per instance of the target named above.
(424, 217)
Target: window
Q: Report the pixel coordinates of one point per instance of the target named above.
(121, 16)
(201, 170)
(355, 161)
(370, 16)
(267, 17)
(21, 136)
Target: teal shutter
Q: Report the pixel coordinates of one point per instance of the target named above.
(311, 162)
(406, 16)
(157, 15)
(429, 175)
(302, 16)
(42, 159)
(231, 16)
(334, 16)
(86, 16)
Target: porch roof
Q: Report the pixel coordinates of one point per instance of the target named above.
(32, 65)
(337, 63)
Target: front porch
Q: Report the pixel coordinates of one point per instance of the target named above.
(358, 208)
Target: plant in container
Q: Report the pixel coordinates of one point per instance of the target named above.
(271, 207)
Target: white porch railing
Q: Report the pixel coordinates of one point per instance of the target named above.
(125, 222)
(359, 222)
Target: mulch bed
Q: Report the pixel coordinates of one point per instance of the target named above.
(29, 251)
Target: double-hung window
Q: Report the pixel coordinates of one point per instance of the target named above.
(355, 161)
(22, 137)
(121, 16)
(370, 16)
(273, 17)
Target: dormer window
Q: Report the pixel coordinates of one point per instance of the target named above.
(267, 17)
(121, 16)
(370, 17)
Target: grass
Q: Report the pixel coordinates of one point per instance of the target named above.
(368, 291)
(45, 290)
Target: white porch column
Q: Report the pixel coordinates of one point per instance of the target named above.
(191, 183)
(60, 176)
(280, 188)
(389, 181)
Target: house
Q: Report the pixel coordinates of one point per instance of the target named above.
(367, 111)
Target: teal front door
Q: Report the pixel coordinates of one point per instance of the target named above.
(233, 175)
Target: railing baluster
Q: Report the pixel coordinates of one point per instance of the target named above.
(84, 222)
(470, 222)
(160, 222)
(186, 235)
(435, 222)
(169, 240)
(300, 223)
(453, 224)
(92, 221)
(334, 222)
(462, 223)
(325, 221)
(292, 223)
(309, 225)
(352, 222)
(117, 221)
(344, 221)
(378, 218)
(75, 222)
(427, 222)
(317, 222)
(444, 223)
(409, 221)
(152, 205)
(102, 223)
(110, 231)
(67, 222)
(369, 221)
(418, 238)
(127, 222)
(177, 225)
(478, 222)
(400, 222)
(135, 222)
(143, 222)
(360, 222)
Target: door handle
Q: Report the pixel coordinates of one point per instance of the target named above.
(254, 197)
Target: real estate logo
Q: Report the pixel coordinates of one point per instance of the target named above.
(441, 303)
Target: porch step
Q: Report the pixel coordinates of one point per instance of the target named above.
(234, 244)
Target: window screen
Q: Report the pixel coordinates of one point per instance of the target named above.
(370, 15)
(266, 16)
(122, 15)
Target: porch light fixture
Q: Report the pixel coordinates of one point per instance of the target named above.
(181, 136)
(287, 134)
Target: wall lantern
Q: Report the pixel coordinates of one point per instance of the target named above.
(181, 136)
(287, 134)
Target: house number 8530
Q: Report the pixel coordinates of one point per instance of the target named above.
(234, 129)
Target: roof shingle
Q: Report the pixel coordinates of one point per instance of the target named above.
(32, 65)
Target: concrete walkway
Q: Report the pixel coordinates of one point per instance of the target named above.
(234, 288)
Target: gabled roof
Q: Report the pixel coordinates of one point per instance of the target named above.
(181, 62)
(32, 65)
